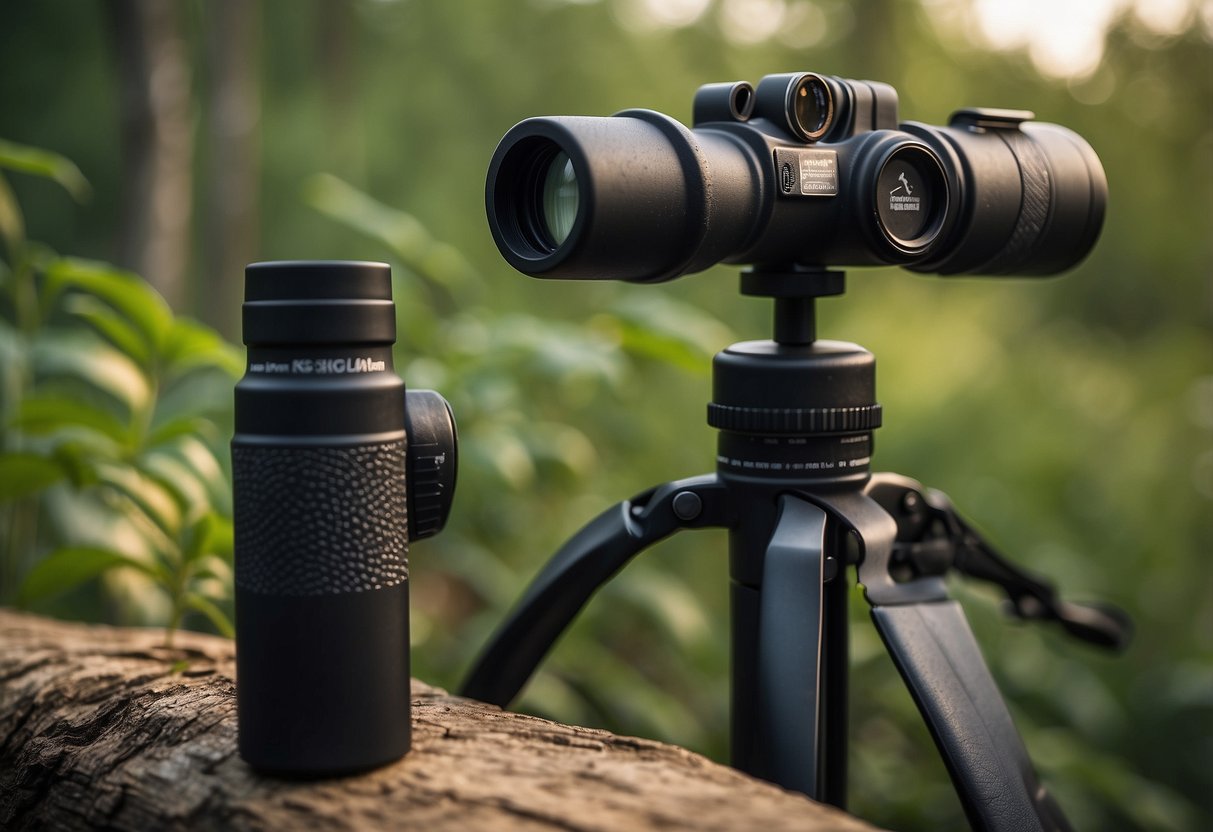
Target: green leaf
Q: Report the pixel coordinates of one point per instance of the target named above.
(177, 428)
(77, 460)
(667, 330)
(81, 356)
(151, 498)
(126, 292)
(65, 568)
(190, 346)
(12, 223)
(112, 327)
(205, 396)
(24, 473)
(220, 536)
(498, 450)
(200, 459)
(42, 415)
(439, 263)
(215, 568)
(556, 351)
(567, 449)
(216, 616)
(44, 163)
(210, 535)
(178, 481)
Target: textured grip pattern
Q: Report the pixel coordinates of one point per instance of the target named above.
(320, 521)
(794, 419)
(1034, 209)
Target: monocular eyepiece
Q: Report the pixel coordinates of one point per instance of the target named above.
(810, 107)
(318, 302)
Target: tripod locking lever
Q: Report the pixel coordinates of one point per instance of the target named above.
(940, 540)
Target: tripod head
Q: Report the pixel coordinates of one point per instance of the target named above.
(800, 407)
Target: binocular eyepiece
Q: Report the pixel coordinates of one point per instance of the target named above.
(805, 170)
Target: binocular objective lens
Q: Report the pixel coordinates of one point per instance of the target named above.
(560, 199)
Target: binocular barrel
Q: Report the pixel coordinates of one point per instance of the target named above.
(1031, 195)
(321, 520)
(805, 171)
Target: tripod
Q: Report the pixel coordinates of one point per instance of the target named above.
(794, 489)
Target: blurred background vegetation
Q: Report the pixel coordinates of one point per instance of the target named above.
(1070, 419)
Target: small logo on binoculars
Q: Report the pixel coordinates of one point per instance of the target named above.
(320, 366)
(807, 171)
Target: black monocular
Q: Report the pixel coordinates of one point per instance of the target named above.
(805, 170)
(336, 468)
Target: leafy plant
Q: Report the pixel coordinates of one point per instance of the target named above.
(110, 428)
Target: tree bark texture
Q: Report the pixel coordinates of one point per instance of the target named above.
(157, 142)
(104, 727)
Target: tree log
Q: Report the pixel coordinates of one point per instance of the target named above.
(104, 727)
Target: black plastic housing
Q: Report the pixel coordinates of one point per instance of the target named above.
(321, 522)
(760, 180)
(1030, 196)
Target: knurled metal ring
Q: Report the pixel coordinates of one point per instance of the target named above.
(794, 419)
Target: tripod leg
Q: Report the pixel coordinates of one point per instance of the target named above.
(834, 706)
(934, 649)
(587, 561)
(790, 648)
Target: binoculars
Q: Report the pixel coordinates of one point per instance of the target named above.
(803, 170)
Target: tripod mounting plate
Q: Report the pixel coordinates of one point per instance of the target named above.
(792, 283)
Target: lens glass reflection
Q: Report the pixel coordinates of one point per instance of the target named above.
(561, 196)
(812, 107)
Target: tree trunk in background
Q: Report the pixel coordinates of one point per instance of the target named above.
(336, 50)
(231, 225)
(101, 727)
(157, 142)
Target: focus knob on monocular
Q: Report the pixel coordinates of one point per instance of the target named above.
(432, 461)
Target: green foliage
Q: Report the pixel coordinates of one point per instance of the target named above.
(110, 430)
(1071, 419)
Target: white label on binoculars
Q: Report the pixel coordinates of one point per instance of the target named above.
(807, 172)
(320, 366)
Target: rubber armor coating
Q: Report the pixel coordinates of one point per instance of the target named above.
(321, 520)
